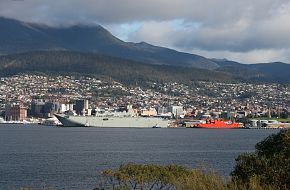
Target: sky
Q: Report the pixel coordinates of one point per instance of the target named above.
(248, 31)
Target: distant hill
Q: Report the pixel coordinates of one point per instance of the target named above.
(17, 37)
(275, 72)
(102, 66)
(272, 72)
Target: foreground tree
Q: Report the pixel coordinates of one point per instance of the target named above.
(171, 177)
(270, 164)
(148, 177)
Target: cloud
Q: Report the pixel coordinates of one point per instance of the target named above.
(119, 11)
(157, 33)
(245, 30)
(255, 56)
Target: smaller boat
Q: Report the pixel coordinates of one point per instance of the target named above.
(217, 124)
(52, 121)
(156, 126)
(2, 120)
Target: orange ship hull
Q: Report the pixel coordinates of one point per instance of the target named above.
(218, 124)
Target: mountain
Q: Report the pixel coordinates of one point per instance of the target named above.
(272, 72)
(103, 66)
(20, 37)
(276, 72)
(17, 37)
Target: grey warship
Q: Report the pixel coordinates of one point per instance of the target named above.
(127, 117)
(112, 120)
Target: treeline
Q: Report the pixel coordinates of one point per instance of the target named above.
(266, 169)
(122, 70)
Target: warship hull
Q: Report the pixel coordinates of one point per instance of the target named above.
(100, 121)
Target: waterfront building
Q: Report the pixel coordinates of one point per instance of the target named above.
(65, 107)
(15, 112)
(81, 106)
(149, 112)
(177, 110)
(50, 108)
(37, 108)
(241, 114)
(163, 110)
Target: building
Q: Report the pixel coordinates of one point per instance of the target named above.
(241, 114)
(43, 108)
(15, 112)
(149, 112)
(163, 110)
(81, 106)
(65, 107)
(177, 110)
(50, 108)
(37, 108)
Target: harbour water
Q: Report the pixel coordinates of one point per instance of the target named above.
(72, 158)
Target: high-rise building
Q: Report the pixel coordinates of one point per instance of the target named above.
(15, 112)
(81, 106)
(177, 110)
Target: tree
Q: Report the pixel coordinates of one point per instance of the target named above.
(270, 164)
(150, 176)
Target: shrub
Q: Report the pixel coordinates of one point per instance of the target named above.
(270, 164)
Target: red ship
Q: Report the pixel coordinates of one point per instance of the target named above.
(217, 124)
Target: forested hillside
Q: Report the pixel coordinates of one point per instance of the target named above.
(19, 37)
(127, 71)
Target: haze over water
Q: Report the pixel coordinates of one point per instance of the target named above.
(72, 158)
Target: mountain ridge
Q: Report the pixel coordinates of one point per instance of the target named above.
(95, 39)
(20, 37)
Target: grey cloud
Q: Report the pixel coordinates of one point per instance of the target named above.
(115, 11)
(265, 34)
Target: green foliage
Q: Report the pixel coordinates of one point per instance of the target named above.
(270, 164)
(134, 176)
(148, 177)
(276, 144)
(111, 92)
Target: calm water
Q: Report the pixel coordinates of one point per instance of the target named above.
(72, 158)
